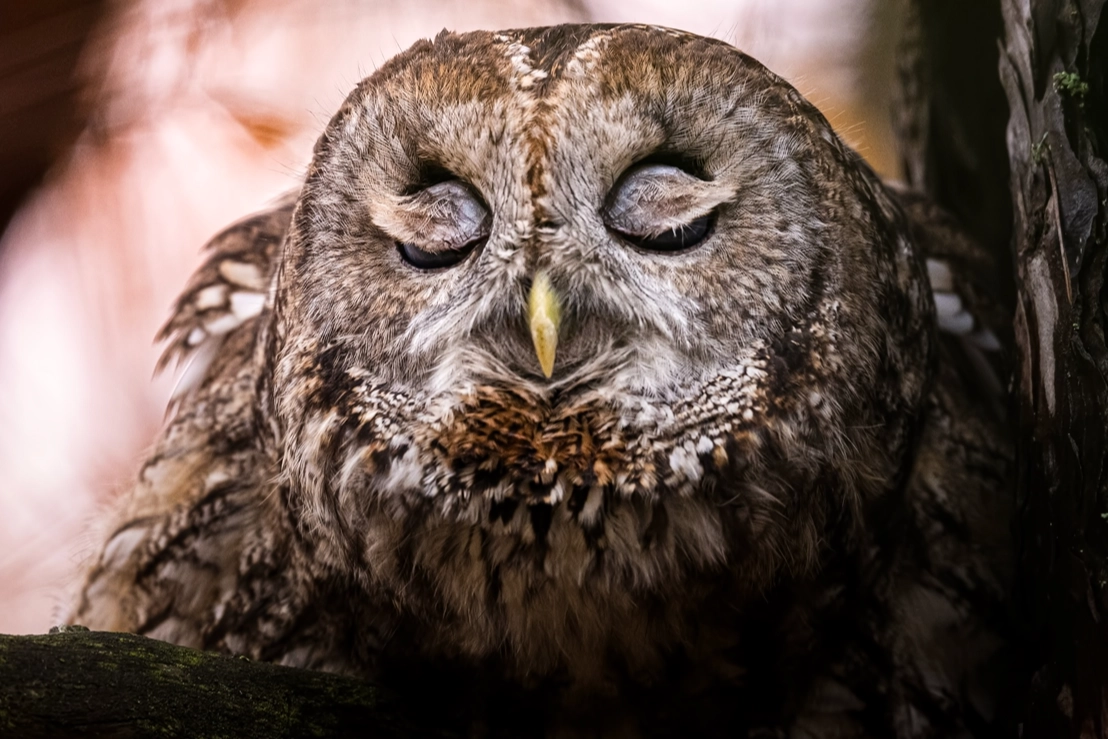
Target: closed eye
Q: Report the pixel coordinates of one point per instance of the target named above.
(439, 226)
(677, 238)
(662, 208)
(423, 259)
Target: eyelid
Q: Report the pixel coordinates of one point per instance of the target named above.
(447, 216)
(652, 199)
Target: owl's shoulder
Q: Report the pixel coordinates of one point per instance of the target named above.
(962, 274)
(942, 551)
(206, 483)
(227, 291)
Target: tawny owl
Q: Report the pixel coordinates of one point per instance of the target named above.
(591, 381)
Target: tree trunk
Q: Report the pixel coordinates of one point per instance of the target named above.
(1053, 68)
(1053, 60)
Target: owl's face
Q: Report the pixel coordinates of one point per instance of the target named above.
(675, 196)
(547, 262)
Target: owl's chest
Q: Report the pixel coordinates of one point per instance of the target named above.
(529, 584)
(591, 621)
(553, 539)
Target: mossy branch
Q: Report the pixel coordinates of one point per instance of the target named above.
(85, 683)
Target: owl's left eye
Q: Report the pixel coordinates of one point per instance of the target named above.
(677, 238)
(658, 207)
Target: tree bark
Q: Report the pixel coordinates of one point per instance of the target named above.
(1053, 66)
(1049, 190)
(950, 116)
(82, 683)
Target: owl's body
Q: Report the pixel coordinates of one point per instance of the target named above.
(753, 488)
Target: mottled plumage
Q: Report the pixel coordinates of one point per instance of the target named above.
(763, 489)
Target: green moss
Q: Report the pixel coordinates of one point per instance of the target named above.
(177, 692)
(1069, 83)
(1039, 150)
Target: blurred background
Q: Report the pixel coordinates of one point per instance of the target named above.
(133, 130)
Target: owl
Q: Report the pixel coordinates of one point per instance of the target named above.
(589, 384)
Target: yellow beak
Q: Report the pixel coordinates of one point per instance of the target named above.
(544, 314)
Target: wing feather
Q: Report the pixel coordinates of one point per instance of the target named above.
(230, 287)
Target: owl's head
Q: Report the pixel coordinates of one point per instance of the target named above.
(543, 262)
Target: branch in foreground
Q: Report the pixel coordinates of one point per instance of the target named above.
(82, 683)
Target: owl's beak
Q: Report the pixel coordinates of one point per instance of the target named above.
(544, 314)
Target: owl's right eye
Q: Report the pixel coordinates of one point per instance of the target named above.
(440, 226)
(423, 259)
